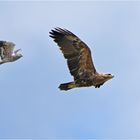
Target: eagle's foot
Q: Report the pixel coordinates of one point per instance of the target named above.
(97, 86)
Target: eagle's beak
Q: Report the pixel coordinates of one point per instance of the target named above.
(111, 76)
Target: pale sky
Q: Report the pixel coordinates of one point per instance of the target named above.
(32, 106)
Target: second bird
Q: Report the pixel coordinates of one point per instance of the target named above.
(7, 53)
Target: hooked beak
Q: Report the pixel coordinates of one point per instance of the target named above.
(111, 76)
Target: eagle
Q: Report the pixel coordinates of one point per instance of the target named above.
(79, 61)
(7, 53)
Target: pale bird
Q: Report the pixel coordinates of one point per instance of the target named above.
(7, 53)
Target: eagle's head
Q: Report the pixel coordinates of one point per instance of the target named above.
(108, 76)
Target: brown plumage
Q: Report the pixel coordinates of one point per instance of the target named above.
(79, 60)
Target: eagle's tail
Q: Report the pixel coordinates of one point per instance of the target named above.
(67, 86)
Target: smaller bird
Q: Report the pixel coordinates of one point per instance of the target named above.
(7, 53)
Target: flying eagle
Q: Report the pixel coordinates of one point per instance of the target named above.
(79, 61)
(6, 52)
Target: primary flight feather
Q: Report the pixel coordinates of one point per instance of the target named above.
(79, 61)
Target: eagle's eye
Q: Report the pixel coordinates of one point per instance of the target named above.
(109, 74)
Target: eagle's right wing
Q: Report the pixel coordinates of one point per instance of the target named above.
(76, 52)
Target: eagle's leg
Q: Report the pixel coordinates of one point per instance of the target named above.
(98, 86)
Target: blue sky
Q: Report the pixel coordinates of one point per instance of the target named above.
(31, 105)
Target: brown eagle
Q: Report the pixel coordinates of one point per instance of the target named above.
(79, 61)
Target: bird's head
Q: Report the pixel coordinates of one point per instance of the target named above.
(108, 76)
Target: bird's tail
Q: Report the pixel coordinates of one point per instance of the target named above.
(67, 86)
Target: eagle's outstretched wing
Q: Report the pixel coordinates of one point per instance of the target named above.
(76, 52)
(6, 49)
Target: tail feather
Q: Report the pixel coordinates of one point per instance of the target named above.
(67, 86)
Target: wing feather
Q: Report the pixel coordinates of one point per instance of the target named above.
(76, 52)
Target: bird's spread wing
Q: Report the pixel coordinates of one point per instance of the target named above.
(76, 52)
(6, 49)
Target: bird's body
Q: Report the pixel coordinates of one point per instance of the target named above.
(6, 52)
(95, 80)
(79, 61)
